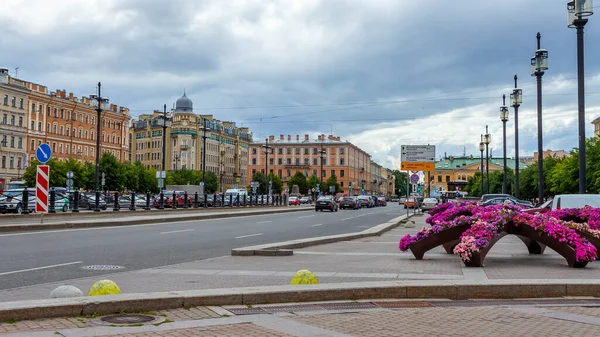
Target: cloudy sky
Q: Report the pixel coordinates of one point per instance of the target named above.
(380, 73)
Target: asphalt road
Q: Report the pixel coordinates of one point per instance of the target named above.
(40, 257)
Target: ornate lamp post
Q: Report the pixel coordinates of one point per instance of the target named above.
(487, 139)
(516, 99)
(504, 119)
(577, 11)
(539, 64)
(481, 149)
(100, 103)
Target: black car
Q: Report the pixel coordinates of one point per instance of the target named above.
(486, 200)
(326, 202)
(349, 202)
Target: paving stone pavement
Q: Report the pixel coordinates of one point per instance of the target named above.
(378, 322)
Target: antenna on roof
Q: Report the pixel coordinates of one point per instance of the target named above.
(17, 72)
(464, 151)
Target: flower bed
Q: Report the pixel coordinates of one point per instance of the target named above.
(481, 227)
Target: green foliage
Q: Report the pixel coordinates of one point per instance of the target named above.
(277, 185)
(400, 184)
(313, 181)
(262, 181)
(299, 179)
(331, 181)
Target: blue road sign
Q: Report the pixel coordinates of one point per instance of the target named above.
(414, 178)
(43, 153)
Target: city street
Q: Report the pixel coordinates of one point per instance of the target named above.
(30, 258)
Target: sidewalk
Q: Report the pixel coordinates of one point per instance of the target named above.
(338, 319)
(91, 219)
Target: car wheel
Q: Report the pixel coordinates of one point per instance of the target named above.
(64, 209)
(19, 210)
(89, 207)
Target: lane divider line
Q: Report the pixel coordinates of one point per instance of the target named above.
(40, 268)
(317, 225)
(247, 236)
(179, 231)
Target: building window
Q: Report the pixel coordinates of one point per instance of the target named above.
(67, 148)
(341, 173)
(253, 151)
(87, 119)
(279, 151)
(271, 161)
(13, 102)
(12, 120)
(20, 121)
(297, 161)
(74, 116)
(253, 172)
(288, 151)
(85, 134)
(342, 150)
(315, 173)
(297, 150)
(3, 161)
(439, 179)
(40, 126)
(305, 150)
(32, 145)
(32, 107)
(62, 113)
(55, 113)
(332, 173)
(324, 161)
(68, 129)
(53, 147)
(12, 141)
(288, 173)
(253, 161)
(61, 130)
(341, 161)
(20, 103)
(315, 150)
(447, 179)
(315, 161)
(5, 119)
(54, 129)
(289, 161)
(79, 133)
(60, 148)
(5, 99)
(279, 161)
(32, 125)
(20, 143)
(12, 163)
(306, 161)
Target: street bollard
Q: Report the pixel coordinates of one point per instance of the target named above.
(116, 207)
(231, 200)
(25, 202)
(223, 200)
(237, 203)
(262, 200)
(195, 199)
(132, 206)
(174, 203)
(285, 200)
(147, 201)
(205, 201)
(76, 201)
(161, 203)
(215, 200)
(52, 201)
(185, 200)
(245, 200)
(97, 204)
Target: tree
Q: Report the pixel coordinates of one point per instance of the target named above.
(299, 179)
(262, 181)
(400, 182)
(57, 173)
(277, 184)
(331, 181)
(184, 177)
(313, 181)
(211, 182)
(113, 175)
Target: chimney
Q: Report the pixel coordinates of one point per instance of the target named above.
(71, 96)
(281, 137)
(323, 137)
(289, 138)
(113, 107)
(271, 138)
(330, 137)
(306, 137)
(319, 137)
(297, 138)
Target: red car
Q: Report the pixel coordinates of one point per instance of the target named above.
(168, 199)
(294, 201)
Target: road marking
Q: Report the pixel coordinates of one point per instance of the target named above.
(247, 236)
(134, 226)
(264, 222)
(352, 217)
(181, 231)
(306, 216)
(40, 268)
(358, 216)
(363, 226)
(317, 225)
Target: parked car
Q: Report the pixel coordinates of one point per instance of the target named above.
(575, 201)
(487, 197)
(366, 201)
(543, 208)
(294, 201)
(61, 202)
(326, 202)
(382, 201)
(401, 201)
(306, 200)
(429, 203)
(11, 201)
(349, 202)
(410, 203)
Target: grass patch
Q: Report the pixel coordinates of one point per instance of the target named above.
(161, 323)
(11, 321)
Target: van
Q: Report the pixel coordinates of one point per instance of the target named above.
(563, 201)
(234, 193)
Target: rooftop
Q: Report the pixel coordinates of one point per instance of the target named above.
(321, 139)
(454, 163)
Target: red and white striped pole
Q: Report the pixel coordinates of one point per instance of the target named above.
(42, 185)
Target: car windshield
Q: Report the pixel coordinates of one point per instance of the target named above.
(12, 194)
(325, 199)
(429, 200)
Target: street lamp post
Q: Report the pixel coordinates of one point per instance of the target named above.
(99, 103)
(176, 159)
(205, 196)
(322, 155)
(539, 63)
(3, 145)
(516, 98)
(577, 11)
(487, 139)
(481, 149)
(267, 149)
(504, 119)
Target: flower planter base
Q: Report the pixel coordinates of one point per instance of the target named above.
(592, 239)
(419, 248)
(449, 246)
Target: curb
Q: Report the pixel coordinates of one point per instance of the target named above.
(117, 223)
(423, 289)
(285, 248)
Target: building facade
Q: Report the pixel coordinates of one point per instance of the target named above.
(559, 154)
(596, 123)
(351, 165)
(226, 144)
(68, 125)
(13, 127)
(455, 171)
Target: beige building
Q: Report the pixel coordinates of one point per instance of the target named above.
(559, 154)
(226, 144)
(13, 127)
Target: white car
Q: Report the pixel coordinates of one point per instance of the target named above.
(10, 201)
(429, 203)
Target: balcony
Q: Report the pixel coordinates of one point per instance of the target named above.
(183, 132)
(184, 147)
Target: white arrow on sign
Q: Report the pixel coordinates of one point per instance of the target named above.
(44, 153)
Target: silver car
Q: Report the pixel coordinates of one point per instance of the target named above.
(10, 201)
(429, 203)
